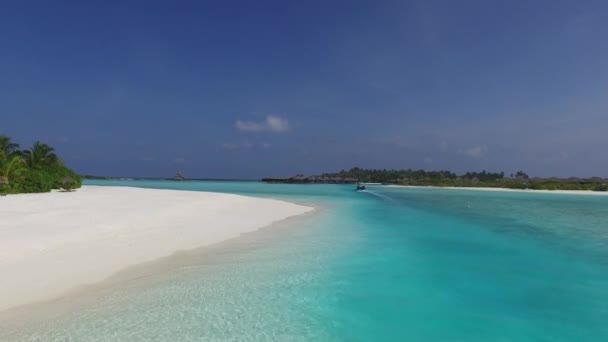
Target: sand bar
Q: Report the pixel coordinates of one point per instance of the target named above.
(52, 243)
(531, 191)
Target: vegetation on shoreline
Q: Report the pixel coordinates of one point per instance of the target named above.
(519, 180)
(37, 169)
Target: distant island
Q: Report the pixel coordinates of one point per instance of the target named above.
(37, 169)
(301, 179)
(177, 177)
(483, 179)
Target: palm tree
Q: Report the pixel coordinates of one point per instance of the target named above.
(7, 148)
(40, 154)
(12, 169)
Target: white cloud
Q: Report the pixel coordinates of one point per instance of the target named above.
(428, 160)
(248, 126)
(179, 160)
(244, 145)
(270, 124)
(443, 146)
(475, 151)
(277, 124)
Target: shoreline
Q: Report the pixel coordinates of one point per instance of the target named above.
(55, 244)
(491, 189)
(147, 275)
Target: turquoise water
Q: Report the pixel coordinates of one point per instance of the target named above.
(390, 264)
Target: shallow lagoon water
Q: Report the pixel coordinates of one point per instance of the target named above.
(389, 264)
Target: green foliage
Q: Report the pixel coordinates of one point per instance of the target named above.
(7, 148)
(521, 174)
(43, 179)
(4, 186)
(35, 180)
(484, 176)
(416, 177)
(35, 170)
(391, 176)
(67, 186)
(520, 180)
(40, 155)
(12, 168)
(57, 171)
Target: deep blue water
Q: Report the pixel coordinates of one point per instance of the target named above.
(390, 264)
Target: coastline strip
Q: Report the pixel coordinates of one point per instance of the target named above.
(529, 191)
(55, 242)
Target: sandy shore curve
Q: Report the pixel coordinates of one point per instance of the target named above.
(54, 242)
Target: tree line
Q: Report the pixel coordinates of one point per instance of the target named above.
(37, 169)
(393, 176)
(519, 180)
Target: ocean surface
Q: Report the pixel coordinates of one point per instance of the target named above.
(389, 264)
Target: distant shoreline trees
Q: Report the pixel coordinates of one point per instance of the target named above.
(37, 169)
(520, 180)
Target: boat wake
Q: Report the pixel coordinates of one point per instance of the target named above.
(377, 194)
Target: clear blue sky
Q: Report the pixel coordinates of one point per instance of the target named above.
(251, 88)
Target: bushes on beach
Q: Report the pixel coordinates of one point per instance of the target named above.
(34, 181)
(38, 169)
(43, 179)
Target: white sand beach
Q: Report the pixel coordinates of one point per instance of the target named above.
(54, 242)
(564, 192)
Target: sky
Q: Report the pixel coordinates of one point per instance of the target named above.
(245, 89)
